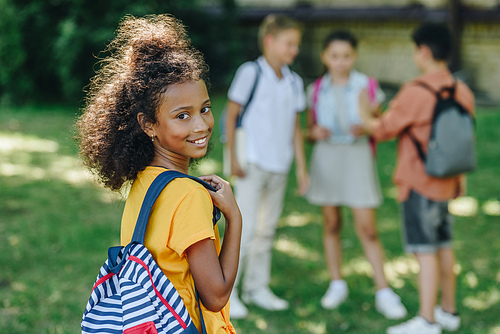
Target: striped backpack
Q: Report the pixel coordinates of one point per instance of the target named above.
(131, 294)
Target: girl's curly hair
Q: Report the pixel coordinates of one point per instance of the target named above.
(147, 55)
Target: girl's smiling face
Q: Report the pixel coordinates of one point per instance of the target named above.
(184, 122)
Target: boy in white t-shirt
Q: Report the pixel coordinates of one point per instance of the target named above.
(273, 136)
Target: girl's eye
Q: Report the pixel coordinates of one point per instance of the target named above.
(182, 116)
(205, 110)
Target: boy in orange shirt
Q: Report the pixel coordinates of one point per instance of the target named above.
(427, 224)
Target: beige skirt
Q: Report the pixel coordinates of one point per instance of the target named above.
(344, 175)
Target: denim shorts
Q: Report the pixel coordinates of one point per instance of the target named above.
(427, 224)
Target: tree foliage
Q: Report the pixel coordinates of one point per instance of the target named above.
(50, 48)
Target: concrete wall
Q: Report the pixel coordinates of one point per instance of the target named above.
(364, 3)
(385, 48)
(385, 52)
(481, 57)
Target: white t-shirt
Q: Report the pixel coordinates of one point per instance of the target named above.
(269, 120)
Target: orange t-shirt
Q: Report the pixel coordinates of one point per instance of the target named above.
(180, 217)
(413, 107)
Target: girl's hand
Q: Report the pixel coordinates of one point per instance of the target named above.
(223, 197)
(318, 133)
(358, 130)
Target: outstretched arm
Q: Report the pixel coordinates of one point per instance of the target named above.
(368, 113)
(213, 274)
(403, 111)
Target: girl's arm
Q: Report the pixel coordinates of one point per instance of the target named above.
(213, 274)
(233, 110)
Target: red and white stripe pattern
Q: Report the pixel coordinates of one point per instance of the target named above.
(140, 296)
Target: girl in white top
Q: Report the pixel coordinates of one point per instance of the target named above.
(343, 169)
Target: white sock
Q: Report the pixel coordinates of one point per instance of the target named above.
(338, 284)
(383, 292)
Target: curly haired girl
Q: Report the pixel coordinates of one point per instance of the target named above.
(148, 110)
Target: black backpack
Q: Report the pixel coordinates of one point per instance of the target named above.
(451, 149)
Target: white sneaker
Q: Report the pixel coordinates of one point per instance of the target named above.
(266, 299)
(417, 325)
(236, 308)
(389, 304)
(335, 295)
(448, 321)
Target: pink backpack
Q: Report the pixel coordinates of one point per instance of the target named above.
(372, 93)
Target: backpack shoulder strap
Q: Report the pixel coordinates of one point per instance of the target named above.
(372, 89)
(316, 86)
(426, 86)
(417, 144)
(255, 83)
(451, 89)
(159, 183)
(251, 96)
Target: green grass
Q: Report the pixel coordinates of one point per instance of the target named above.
(56, 226)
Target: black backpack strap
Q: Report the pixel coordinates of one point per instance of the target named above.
(417, 144)
(426, 86)
(451, 89)
(252, 93)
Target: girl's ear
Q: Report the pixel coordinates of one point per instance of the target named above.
(145, 124)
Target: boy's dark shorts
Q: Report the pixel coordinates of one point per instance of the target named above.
(427, 224)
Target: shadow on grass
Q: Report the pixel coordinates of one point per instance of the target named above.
(56, 226)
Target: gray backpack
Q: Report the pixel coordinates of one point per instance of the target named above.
(451, 149)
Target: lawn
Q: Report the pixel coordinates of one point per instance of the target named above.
(56, 226)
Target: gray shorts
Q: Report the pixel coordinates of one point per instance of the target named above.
(427, 224)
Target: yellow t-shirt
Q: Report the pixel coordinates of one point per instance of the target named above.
(180, 217)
